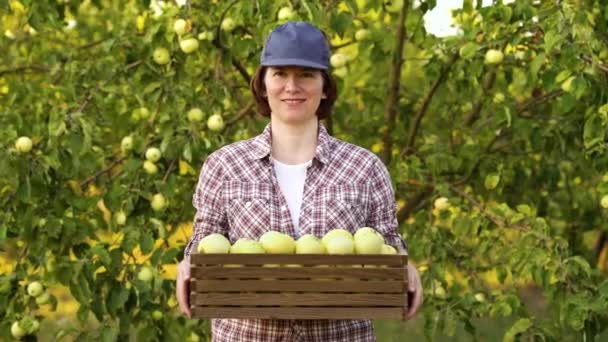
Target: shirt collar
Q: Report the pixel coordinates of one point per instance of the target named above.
(262, 144)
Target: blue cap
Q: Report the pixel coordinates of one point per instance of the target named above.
(296, 43)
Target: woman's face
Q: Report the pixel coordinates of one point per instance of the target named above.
(294, 93)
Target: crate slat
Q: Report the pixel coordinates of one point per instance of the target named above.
(298, 299)
(305, 285)
(215, 272)
(309, 259)
(297, 312)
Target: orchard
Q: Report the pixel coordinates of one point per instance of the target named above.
(495, 139)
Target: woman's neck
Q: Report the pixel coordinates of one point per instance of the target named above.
(294, 144)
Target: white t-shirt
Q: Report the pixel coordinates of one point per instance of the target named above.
(291, 181)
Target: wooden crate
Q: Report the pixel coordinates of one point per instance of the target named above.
(304, 286)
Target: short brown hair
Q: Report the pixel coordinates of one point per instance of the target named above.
(330, 89)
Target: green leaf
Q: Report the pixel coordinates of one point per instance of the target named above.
(152, 87)
(522, 325)
(491, 181)
(146, 242)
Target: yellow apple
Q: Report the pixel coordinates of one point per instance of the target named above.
(23, 144)
(442, 203)
(364, 230)
(480, 297)
(153, 154)
(387, 249)
(494, 56)
(228, 24)
(285, 13)
(126, 144)
(214, 243)
(120, 218)
(340, 244)
(362, 34)
(275, 242)
(368, 242)
(161, 56)
(150, 167)
(145, 274)
(309, 244)
(215, 123)
(336, 232)
(181, 26)
(338, 60)
(393, 6)
(604, 202)
(188, 45)
(195, 115)
(247, 246)
(35, 289)
(17, 331)
(158, 202)
(44, 298)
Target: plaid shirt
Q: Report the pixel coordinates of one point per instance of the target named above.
(238, 195)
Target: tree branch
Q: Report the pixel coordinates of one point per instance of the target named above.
(390, 111)
(409, 147)
(241, 114)
(217, 41)
(92, 178)
(475, 114)
(31, 67)
(412, 203)
(599, 65)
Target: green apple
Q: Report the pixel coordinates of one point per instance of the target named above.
(153, 154)
(494, 56)
(604, 202)
(120, 218)
(44, 298)
(338, 60)
(341, 72)
(228, 24)
(206, 35)
(309, 244)
(141, 113)
(387, 249)
(161, 56)
(441, 203)
(188, 45)
(157, 315)
(126, 144)
(363, 231)
(336, 232)
(145, 274)
(181, 26)
(215, 123)
(35, 289)
(362, 34)
(244, 245)
(195, 115)
(17, 331)
(393, 6)
(214, 243)
(498, 98)
(23, 144)
(368, 242)
(340, 245)
(158, 202)
(194, 337)
(480, 297)
(150, 167)
(285, 13)
(275, 242)
(567, 84)
(439, 291)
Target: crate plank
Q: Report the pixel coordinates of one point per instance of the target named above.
(218, 272)
(304, 285)
(307, 259)
(298, 312)
(299, 299)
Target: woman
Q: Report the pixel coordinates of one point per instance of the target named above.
(294, 178)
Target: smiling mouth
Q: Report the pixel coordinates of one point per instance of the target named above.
(293, 101)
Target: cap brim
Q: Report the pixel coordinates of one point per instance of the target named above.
(294, 62)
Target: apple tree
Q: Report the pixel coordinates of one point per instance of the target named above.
(495, 140)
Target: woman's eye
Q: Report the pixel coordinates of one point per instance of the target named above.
(279, 73)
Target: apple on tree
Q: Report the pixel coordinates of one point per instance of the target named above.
(23, 145)
(161, 56)
(441, 203)
(188, 45)
(604, 202)
(17, 331)
(35, 289)
(153, 154)
(285, 13)
(228, 24)
(362, 34)
(338, 60)
(44, 298)
(158, 202)
(195, 115)
(215, 123)
(181, 26)
(150, 167)
(126, 144)
(494, 56)
(393, 6)
(120, 218)
(145, 274)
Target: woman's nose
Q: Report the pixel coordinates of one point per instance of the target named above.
(291, 84)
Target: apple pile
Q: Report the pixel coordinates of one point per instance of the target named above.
(337, 241)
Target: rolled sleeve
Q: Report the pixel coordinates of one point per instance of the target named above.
(209, 217)
(383, 209)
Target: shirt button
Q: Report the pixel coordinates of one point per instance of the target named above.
(283, 207)
(247, 204)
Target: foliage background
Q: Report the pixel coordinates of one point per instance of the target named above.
(517, 148)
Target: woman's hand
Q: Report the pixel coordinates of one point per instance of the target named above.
(183, 287)
(414, 292)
